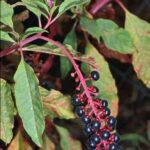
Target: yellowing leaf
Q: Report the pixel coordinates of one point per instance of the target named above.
(67, 142)
(47, 143)
(140, 32)
(106, 83)
(19, 143)
(57, 105)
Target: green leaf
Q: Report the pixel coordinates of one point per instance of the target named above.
(31, 31)
(37, 7)
(106, 83)
(97, 27)
(47, 143)
(5, 36)
(67, 4)
(64, 62)
(28, 101)
(135, 138)
(6, 14)
(115, 38)
(119, 40)
(140, 33)
(56, 104)
(7, 112)
(67, 142)
(19, 143)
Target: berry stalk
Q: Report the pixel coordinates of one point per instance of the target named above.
(81, 78)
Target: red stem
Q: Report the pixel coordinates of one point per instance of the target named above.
(98, 5)
(81, 78)
(9, 50)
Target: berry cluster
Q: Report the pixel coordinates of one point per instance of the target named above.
(99, 125)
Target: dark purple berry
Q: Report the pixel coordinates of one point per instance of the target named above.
(80, 111)
(104, 103)
(113, 146)
(106, 112)
(111, 121)
(95, 138)
(92, 145)
(76, 101)
(88, 130)
(86, 119)
(116, 138)
(105, 135)
(95, 75)
(95, 124)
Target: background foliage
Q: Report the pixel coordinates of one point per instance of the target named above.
(36, 111)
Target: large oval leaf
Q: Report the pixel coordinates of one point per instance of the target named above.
(28, 101)
(67, 142)
(140, 32)
(115, 38)
(106, 83)
(7, 112)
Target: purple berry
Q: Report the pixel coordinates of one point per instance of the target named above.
(95, 75)
(105, 135)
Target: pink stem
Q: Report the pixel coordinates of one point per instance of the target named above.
(98, 5)
(51, 22)
(9, 50)
(77, 71)
(39, 22)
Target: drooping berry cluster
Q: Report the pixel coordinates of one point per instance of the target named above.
(99, 125)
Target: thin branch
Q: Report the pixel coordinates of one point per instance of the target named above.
(39, 22)
(98, 5)
(81, 78)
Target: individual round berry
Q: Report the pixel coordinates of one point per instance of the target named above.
(106, 112)
(92, 145)
(80, 111)
(95, 138)
(76, 101)
(88, 130)
(95, 124)
(86, 119)
(95, 75)
(111, 121)
(116, 138)
(104, 103)
(113, 146)
(105, 135)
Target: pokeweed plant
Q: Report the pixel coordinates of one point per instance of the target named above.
(95, 99)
